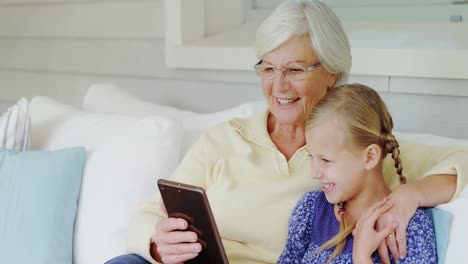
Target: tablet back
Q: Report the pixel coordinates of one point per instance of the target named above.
(190, 203)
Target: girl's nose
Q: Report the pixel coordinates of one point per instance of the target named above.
(316, 173)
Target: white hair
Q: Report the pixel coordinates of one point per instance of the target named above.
(294, 18)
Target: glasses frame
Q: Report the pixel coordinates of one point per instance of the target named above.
(283, 70)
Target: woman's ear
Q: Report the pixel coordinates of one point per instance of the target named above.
(372, 156)
(332, 79)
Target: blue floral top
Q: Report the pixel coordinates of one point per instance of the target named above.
(313, 223)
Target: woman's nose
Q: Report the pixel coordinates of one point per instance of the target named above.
(280, 83)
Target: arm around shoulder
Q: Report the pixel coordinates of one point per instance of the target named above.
(437, 170)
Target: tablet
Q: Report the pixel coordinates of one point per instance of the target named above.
(190, 203)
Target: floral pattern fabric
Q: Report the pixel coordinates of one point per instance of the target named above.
(313, 223)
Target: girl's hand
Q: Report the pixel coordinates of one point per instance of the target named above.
(366, 238)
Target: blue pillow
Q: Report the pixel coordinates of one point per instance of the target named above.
(441, 221)
(38, 201)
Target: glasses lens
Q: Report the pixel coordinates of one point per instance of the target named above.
(265, 71)
(268, 72)
(295, 73)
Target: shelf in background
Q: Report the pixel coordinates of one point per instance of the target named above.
(419, 49)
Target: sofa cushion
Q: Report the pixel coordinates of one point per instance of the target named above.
(107, 98)
(126, 156)
(458, 229)
(38, 201)
(14, 127)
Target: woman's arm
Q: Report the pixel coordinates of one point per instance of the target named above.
(151, 218)
(426, 192)
(435, 176)
(435, 189)
(420, 161)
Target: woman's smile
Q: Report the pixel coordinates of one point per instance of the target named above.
(287, 102)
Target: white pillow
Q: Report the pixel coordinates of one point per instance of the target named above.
(14, 127)
(108, 98)
(458, 228)
(126, 156)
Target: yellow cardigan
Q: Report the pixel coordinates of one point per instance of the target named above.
(253, 189)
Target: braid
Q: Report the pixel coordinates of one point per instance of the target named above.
(346, 228)
(392, 147)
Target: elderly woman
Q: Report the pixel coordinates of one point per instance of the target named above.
(256, 169)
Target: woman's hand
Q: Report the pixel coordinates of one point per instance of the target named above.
(171, 243)
(405, 200)
(366, 238)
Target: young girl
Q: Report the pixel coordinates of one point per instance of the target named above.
(348, 134)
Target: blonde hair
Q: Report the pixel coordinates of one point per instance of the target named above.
(294, 18)
(367, 121)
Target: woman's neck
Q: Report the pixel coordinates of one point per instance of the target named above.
(375, 190)
(288, 138)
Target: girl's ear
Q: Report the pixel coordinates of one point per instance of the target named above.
(372, 156)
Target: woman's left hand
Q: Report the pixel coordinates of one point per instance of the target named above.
(405, 201)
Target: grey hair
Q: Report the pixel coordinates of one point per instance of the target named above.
(294, 18)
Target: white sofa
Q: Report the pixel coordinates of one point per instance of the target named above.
(131, 143)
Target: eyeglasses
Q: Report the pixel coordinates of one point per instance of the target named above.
(268, 71)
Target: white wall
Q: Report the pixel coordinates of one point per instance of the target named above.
(58, 48)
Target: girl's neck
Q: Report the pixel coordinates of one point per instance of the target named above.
(374, 190)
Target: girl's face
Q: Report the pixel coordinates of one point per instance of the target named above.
(335, 161)
(291, 100)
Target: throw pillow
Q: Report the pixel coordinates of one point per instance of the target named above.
(126, 156)
(38, 201)
(458, 228)
(441, 221)
(107, 98)
(14, 127)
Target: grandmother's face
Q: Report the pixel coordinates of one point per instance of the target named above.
(291, 100)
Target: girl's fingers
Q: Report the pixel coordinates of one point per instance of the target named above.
(375, 206)
(377, 212)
